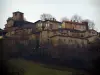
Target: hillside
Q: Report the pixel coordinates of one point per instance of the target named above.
(25, 67)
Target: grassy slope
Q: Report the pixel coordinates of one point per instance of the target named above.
(31, 68)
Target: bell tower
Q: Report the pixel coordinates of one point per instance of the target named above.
(18, 16)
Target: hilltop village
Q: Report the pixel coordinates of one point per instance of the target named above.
(70, 32)
(58, 45)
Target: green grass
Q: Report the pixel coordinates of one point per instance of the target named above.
(31, 68)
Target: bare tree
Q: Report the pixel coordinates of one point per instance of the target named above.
(43, 17)
(64, 19)
(47, 17)
(76, 18)
(90, 24)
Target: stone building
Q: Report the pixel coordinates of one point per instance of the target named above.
(75, 25)
(19, 29)
(49, 31)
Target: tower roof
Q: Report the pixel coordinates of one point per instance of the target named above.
(17, 12)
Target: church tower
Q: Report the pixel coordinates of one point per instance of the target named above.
(18, 16)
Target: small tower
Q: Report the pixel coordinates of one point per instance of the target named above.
(86, 24)
(18, 16)
(10, 22)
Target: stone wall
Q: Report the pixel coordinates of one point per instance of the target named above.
(57, 40)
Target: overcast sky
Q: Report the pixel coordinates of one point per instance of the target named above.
(32, 9)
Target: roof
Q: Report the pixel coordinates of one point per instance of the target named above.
(83, 23)
(37, 21)
(18, 12)
(47, 21)
(28, 26)
(71, 22)
(52, 21)
(92, 30)
(21, 23)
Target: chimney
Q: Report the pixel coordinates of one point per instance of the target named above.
(86, 23)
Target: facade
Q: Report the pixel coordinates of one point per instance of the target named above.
(72, 41)
(54, 32)
(75, 25)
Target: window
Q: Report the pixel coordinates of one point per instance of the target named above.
(60, 41)
(8, 34)
(51, 26)
(59, 26)
(69, 41)
(40, 25)
(46, 25)
(82, 35)
(12, 32)
(73, 34)
(93, 32)
(54, 32)
(25, 30)
(29, 31)
(69, 33)
(84, 27)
